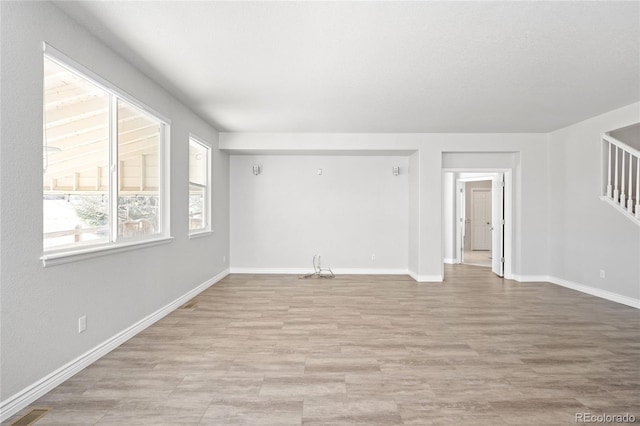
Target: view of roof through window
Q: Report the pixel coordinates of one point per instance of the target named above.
(78, 202)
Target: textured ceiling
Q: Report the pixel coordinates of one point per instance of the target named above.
(381, 66)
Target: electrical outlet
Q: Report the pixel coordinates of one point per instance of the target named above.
(82, 324)
(373, 257)
(602, 274)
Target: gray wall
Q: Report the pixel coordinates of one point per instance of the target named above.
(40, 306)
(526, 154)
(413, 247)
(357, 208)
(586, 234)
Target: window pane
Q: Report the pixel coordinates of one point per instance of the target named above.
(75, 160)
(199, 195)
(198, 157)
(197, 214)
(139, 144)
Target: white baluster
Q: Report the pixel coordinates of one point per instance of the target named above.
(609, 159)
(622, 199)
(638, 188)
(630, 199)
(616, 193)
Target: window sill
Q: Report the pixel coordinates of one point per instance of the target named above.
(61, 258)
(199, 234)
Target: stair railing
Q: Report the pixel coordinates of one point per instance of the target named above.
(622, 180)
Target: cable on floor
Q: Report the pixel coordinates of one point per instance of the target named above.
(318, 271)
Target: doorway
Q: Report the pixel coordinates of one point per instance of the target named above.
(477, 224)
(477, 218)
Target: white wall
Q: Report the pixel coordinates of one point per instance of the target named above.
(586, 234)
(414, 215)
(357, 208)
(449, 216)
(40, 306)
(527, 153)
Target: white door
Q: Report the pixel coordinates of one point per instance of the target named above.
(460, 215)
(497, 219)
(480, 219)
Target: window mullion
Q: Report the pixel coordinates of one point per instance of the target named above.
(113, 168)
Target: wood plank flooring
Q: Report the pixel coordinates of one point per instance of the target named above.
(277, 350)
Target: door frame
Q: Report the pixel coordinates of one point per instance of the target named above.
(509, 214)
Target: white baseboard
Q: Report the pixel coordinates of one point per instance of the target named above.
(603, 294)
(430, 278)
(304, 271)
(450, 261)
(426, 278)
(365, 271)
(531, 278)
(271, 271)
(22, 399)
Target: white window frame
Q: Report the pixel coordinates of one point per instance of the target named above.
(72, 254)
(208, 196)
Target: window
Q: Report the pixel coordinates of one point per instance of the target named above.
(103, 162)
(199, 186)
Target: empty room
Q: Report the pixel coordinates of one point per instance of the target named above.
(285, 213)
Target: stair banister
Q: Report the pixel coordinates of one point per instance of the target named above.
(609, 190)
(630, 200)
(620, 179)
(638, 188)
(616, 191)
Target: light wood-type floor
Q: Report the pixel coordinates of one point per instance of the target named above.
(477, 257)
(367, 350)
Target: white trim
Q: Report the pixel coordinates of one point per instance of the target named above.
(300, 271)
(451, 261)
(23, 398)
(531, 278)
(510, 213)
(367, 271)
(201, 234)
(60, 258)
(208, 187)
(603, 294)
(269, 271)
(78, 252)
